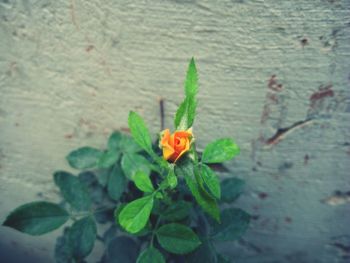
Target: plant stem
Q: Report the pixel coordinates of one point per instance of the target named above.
(155, 229)
(103, 209)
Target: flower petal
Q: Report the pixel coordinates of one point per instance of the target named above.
(187, 147)
(168, 152)
(165, 137)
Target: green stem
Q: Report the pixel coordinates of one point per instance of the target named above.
(155, 230)
(76, 215)
(103, 209)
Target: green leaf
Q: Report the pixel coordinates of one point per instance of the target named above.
(108, 159)
(63, 249)
(234, 222)
(143, 182)
(219, 151)
(104, 215)
(83, 158)
(178, 239)
(205, 253)
(96, 191)
(211, 180)
(116, 183)
(177, 211)
(114, 141)
(73, 191)
(110, 233)
(205, 200)
(222, 259)
(37, 218)
(150, 255)
(128, 145)
(140, 132)
(191, 84)
(103, 176)
(135, 215)
(122, 250)
(144, 231)
(231, 188)
(131, 163)
(121, 142)
(186, 112)
(82, 237)
(171, 179)
(117, 211)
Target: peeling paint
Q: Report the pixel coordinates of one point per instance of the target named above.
(338, 198)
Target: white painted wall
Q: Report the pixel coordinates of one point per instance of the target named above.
(71, 70)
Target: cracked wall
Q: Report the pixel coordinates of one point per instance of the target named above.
(274, 75)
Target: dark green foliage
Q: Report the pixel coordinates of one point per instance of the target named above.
(116, 183)
(178, 239)
(186, 169)
(108, 159)
(83, 158)
(82, 237)
(122, 250)
(206, 253)
(63, 248)
(144, 202)
(72, 190)
(37, 218)
(234, 222)
(211, 181)
(177, 211)
(231, 188)
(150, 255)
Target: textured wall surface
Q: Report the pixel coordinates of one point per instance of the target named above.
(274, 75)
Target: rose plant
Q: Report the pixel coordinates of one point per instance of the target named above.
(147, 202)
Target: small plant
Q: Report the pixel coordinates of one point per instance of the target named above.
(153, 202)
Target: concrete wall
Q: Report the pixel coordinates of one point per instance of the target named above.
(274, 75)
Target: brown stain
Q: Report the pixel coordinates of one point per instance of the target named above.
(265, 114)
(271, 97)
(282, 132)
(87, 123)
(304, 41)
(72, 13)
(89, 48)
(273, 84)
(12, 69)
(263, 195)
(344, 250)
(69, 135)
(256, 207)
(125, 129)
(288, 220)
(323, 92)
(255, 217)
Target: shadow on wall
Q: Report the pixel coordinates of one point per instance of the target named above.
(14, 253)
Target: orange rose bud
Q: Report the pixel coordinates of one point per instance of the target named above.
(176, 144)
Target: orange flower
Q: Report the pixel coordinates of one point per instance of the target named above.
(176, 144)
